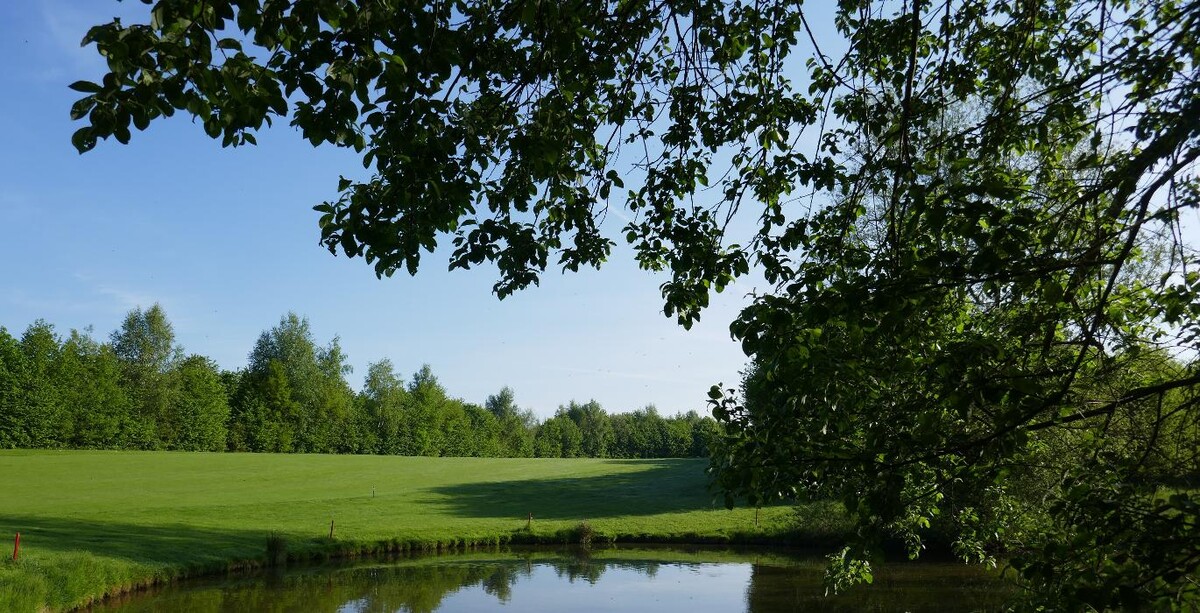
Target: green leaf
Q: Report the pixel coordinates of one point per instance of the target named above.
(84, 140)
(86, 87)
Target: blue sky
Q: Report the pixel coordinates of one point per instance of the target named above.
(226, 241)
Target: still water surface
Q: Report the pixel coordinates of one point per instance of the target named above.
(656, 580)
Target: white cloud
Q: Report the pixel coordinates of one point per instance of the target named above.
(115, 298)
(62, 27)
(65, 27)
(126, 299)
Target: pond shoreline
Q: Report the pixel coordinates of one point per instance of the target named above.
(324, 550)
(767, 579)
(317, 552)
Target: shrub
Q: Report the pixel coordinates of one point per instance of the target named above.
(276, 549)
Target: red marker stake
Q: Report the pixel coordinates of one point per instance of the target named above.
(16, 546)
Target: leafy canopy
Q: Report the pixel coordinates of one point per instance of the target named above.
(969, 214)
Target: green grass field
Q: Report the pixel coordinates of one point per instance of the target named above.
(97, 522)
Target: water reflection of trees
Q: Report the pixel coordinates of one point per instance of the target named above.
(379, 589)
(411, 589)
(423, 587)
(500, 582)
(579, 569)
(916, 587)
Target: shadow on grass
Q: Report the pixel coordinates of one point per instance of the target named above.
(162, 544)
(663, 486)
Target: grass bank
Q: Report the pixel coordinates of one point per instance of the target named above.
(94, 523)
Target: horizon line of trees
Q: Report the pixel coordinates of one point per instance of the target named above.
(140, 390)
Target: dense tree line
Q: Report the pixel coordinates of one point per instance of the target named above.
(140, 390)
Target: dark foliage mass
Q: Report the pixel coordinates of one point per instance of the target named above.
(140, 391)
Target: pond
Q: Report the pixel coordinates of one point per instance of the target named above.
(660, 580)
